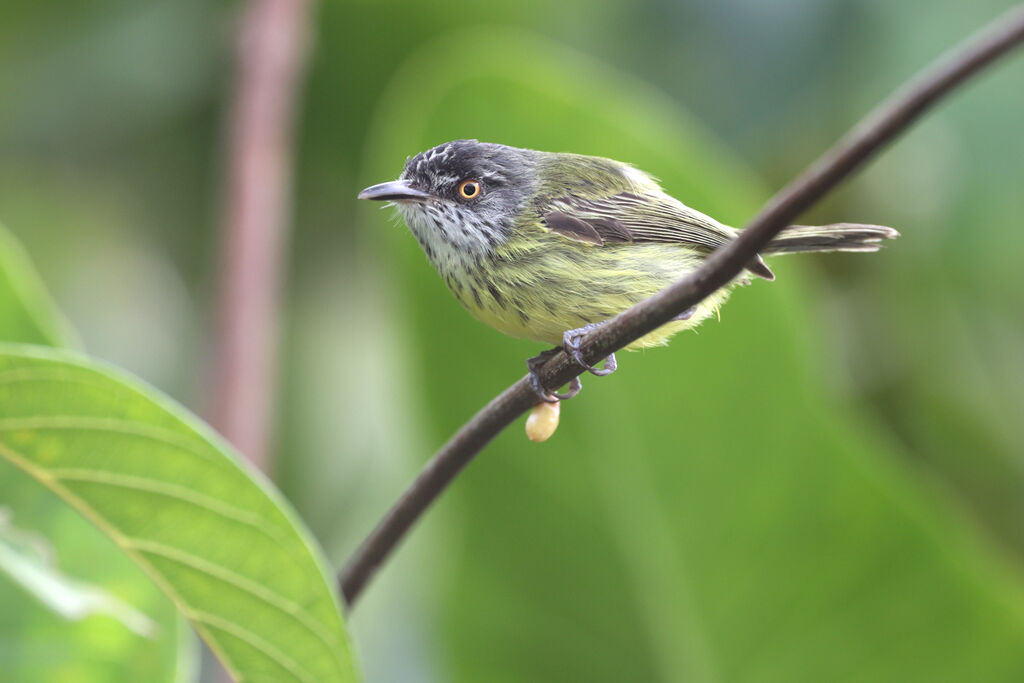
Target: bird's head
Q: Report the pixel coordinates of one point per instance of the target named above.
(464, 194)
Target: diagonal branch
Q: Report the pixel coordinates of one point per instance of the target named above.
(892, 117)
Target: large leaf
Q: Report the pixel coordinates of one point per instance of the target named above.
(711, 512)
(40, 643)
(205, 526)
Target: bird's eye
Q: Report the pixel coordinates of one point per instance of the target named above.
(469, 189)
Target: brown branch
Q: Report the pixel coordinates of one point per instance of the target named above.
(882, 125)
(271, 50)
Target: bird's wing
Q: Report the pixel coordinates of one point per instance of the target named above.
(629, 217)
(648, 217)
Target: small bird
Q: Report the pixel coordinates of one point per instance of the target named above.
(546, 246)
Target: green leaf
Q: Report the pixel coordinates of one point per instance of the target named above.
(206, 527)
(710, 512)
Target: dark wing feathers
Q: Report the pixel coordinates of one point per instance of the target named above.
(573, 228)
(628, 217)
(611, 230)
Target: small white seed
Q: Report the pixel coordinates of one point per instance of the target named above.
(542, 421)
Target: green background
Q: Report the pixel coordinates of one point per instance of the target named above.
(825, 485)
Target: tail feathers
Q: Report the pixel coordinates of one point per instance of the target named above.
(835, 237)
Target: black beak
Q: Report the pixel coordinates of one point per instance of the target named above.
(396, 191)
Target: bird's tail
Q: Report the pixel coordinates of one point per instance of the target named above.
(835, 237)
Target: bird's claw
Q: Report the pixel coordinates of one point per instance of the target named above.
(571, 341)
(532, 364)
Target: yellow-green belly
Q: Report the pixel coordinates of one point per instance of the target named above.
(538, 291)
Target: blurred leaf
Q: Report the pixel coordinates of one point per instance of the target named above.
(211, 533)
(27, 313)
(38, 645)
(710, 512)
(28, 560)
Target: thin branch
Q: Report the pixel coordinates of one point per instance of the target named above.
(271, 51)
(892, 117)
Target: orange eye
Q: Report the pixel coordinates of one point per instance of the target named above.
(469, 189)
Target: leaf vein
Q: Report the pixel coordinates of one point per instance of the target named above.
(276, 600)
(254, 640)
(103, 424)
(163, 488)
(44, 374)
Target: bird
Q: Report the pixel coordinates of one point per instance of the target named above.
(547, 246)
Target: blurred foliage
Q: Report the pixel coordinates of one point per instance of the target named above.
(27, 313)
(27, 559)
(37, 644)
(826, 484)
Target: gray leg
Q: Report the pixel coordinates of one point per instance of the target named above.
(571, 342)
(554, 397)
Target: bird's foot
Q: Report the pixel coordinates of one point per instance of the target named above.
(534, 363)
(571, 341)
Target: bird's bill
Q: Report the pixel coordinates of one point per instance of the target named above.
(395, 191)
